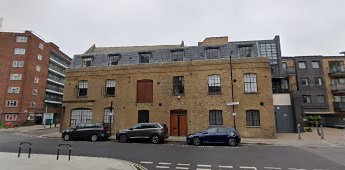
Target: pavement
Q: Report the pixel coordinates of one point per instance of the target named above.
(10, 161)
(333, 137)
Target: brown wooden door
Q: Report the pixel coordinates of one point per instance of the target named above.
(144, 91)
(178, 123)
(174, 125)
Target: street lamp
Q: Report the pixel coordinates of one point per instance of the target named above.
(111, 114)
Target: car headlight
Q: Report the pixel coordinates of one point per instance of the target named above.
(232, 134)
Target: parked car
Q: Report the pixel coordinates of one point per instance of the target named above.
(87, 131)
(155, 132)
(215, 135)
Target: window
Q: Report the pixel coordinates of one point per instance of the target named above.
(214, 84)
(21, 38)
(177, 55)
(336, 66)
(302, 65)
(31, 116)
(315, 64)
(212, 53)
(18, 63)
(108, 116)
(34, 92)
(269, 50)
(339, 98)
(33, 104)
(38, 68)
(245, 50)
(306, 99)
(114, 59)
(212, 130)
(80, 116)
(11, 103)
(19, 51)
(250, 85)
(178, 85)
(318, 81)
(304, 81)
(86, 62)
(337, 81)
(36, 80)
(13, 90)
(10, 117)
(82, 88)
(143, 116)
(39, 57)
(253, 117)
(216, 117)
(144, 91)
(110, 87)
(41, 46)
(284, 65)
(320, 99)
(144, 57)
(15, 76)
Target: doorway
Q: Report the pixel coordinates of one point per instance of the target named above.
(143, 116)
(178, 123)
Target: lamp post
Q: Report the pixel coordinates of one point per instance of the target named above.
(232, 91)
(111, 114)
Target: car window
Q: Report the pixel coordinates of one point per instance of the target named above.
(223, 130)
(90, 125)
(80, 126)
(137, 126)
(212, 130)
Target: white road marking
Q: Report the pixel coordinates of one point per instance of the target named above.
(202, 169)
(164, 163)
(220, 166)
(146, 162)
(162, 167)
(295, 169)
(183, 164)
(248, 167)
(181, 167)
(209, 166)
(272, 168)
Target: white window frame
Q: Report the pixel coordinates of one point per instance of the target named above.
(79, 116)
(16, 77)
(302, 64)
(250, 83)
(307, 81)
(36, 80)
(41, 46)
(17, 63)
(214, 84)
(13, 90)
(38, 68)
(314, 65)
(33, 104)
(110, 84)
(11, 103)
(39, 57)
(31, 116)
(107, 115)
(21, 38)
(19, 51)
(34, 92)
(10, 117)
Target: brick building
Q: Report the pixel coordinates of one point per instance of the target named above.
(31, 78)
(187, 88)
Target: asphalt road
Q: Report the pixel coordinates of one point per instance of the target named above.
(181, 156)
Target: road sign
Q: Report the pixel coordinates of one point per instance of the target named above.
(232, 103)
(233, 114)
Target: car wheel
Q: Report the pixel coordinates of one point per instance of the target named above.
(196, 141)
(66, 137)
(94, 138)
(123, 138)
(231, 142)
(155, 139)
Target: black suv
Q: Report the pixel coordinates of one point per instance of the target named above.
(88, 131)
(155, 132)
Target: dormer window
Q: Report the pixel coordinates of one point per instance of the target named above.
(86, 62)
(212, 53)
(177, 55)
(245, 50)
(114, 59)
(145, 57)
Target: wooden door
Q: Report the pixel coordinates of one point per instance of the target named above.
(145, 91)
(183, 130)
(173, 125)
(178, 123)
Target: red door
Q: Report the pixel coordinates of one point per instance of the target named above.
(178, 123)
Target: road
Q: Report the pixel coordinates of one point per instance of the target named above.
(180, 156)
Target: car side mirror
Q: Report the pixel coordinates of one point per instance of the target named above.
(205, 132)
(130, 128)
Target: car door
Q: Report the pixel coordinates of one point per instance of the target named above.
(135, 132)
(78, 132)
(222, 135)
(210, 135)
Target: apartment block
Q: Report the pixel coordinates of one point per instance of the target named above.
(31, 79)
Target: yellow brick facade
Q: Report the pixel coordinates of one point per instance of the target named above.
(195, 100)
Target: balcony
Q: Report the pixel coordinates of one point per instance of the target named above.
(338, 88)
(339, 106)
(337, 71)
(288, 71)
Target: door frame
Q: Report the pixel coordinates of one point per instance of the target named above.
(178, 113)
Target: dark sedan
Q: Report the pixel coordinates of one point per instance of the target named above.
(87, 131)
(215, 135)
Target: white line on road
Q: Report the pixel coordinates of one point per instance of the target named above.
(146, 162)
(183, 164)
(181, 167)
(209, 166)
(220, 166)
(248, 167)
(272, 168)
(202, 169)
(295, 169)
(162, 167)
(164, 163)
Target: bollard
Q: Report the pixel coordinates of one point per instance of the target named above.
(69, 152)
(322, 134)
(318, 129)
(20, 148)
(299, 131)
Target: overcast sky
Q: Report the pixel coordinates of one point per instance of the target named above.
(306, 27)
